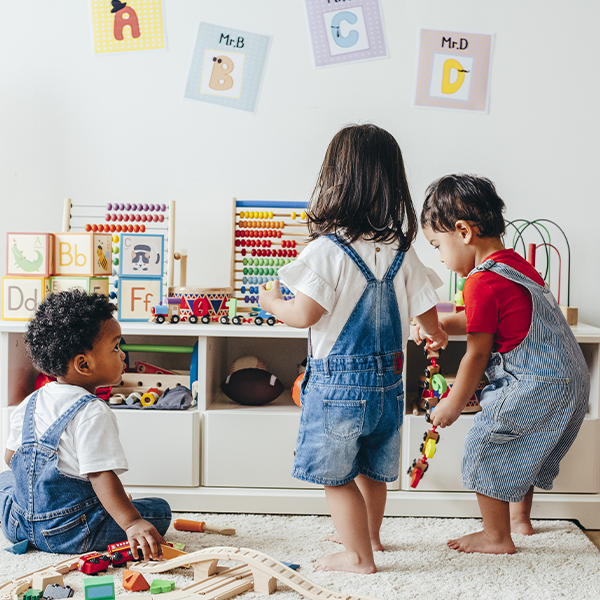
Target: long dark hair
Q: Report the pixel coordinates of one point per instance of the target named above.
(362, 189)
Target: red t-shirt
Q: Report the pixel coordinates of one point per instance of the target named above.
(494, 304)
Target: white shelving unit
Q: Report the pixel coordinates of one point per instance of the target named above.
(223, 457)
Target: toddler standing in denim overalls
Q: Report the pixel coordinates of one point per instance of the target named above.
(539, 382)
(62, 492)
(356, 286)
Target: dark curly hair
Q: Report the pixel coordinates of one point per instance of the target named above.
(461, 197)
(65, 324)
(362, 189)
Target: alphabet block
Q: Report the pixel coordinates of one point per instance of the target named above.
(142, 255)
(137, 297)
(29, 254)
(21, 295)
(82, 254)
(90, 285)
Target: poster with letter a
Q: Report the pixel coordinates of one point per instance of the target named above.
(127, 26)
(227, 66)
(343, 31)
(453, 70)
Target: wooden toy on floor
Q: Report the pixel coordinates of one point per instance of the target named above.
(55, 591)
(134, 582)
(258, 572)
(162, 586)
(201, 527)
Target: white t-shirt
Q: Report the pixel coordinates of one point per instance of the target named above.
(89, 444)
(325, 273)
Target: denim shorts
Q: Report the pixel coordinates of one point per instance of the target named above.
(350, 425)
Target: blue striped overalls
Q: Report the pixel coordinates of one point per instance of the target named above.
(534, 406)
(353, 399)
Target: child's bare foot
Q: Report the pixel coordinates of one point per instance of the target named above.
(375, 546)
(481, 542)
(521, 527)
(341, 562)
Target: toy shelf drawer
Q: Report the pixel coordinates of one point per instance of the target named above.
(162, 447)
(444, 474)
(251, 447)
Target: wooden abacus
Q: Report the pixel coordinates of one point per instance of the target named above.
(267, 234)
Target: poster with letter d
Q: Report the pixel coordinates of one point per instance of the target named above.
(453, 70)
(227, 66)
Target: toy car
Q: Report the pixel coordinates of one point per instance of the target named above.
(93, 562)
(120, 553)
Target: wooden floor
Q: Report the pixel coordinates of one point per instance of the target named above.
(594, 535)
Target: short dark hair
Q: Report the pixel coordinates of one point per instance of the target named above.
(64, 325)
(362, 189)
(463, 197)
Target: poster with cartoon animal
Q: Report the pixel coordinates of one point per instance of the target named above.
(453, 71)
(130, 26)
(227, 66)
(141, 255)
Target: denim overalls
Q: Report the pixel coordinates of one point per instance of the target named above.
(353, 399)
(54, 511)
(534, 406)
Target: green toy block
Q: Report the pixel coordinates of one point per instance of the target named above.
(32, 595)
(161, 586)
(99, 588)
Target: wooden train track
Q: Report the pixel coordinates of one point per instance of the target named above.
(265, 572)
(258, 572)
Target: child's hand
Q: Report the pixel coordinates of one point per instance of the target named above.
(143, 535)
(444, 414)
(438, 340)
(266, 298)
(416, 335)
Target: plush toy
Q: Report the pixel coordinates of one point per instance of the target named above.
(250, 383)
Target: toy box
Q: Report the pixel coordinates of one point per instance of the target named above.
(90, 285)
(29, 254)
(82, 254)
(142, 255)
(21, 295)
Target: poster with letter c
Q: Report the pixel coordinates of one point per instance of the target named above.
(227, 66)
(343, 31)
(453, 70)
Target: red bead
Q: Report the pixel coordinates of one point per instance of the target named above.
(142, 228)
(155, 218)
(136, 228)
(161, 218)
(94, 228)
(113, 228)
(107, 217)
(120, 217)
(88, 227)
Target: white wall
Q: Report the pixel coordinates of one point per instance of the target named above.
(116, 128)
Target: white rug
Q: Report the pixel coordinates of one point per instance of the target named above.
(558, 562)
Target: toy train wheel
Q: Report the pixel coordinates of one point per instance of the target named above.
(236, 321)
(116, 557)
(224, 320)
(205, 319)
(271, 321)
(258, 321)
(421, 447)
(174, 319)
(193, 319)
(160, 319)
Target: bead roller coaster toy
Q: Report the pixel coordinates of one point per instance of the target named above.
(435, 390)
(266, 236)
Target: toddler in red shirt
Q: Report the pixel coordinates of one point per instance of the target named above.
(539, 382)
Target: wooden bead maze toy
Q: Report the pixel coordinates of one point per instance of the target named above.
(266, 236)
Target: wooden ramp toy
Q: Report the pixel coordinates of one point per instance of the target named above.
(259, 572)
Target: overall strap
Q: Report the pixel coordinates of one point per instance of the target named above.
(353, 254)
(52, 434)
(28, 433)
(395, 266)
(509, 273)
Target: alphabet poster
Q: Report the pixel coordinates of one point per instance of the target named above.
(453, 71)
(133, 25)
(343, 31)
(227, 66)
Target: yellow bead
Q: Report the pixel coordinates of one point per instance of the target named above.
(242, 215)
(270, 214)
(294, 215)
(303, 215)
(115, 239)
(269, 285)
